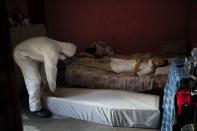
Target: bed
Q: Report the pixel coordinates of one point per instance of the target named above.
(108, 107)
(81, 76)
(91, 76)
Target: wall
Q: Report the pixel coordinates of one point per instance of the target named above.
(34, 9)
(129, 26)
(193, 23)
(19, 4)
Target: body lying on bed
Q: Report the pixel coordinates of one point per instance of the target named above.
(98, 73)
(135, 66)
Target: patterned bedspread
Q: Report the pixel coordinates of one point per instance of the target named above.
(97, 78)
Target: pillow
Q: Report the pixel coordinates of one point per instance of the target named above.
(162, 70)
(179, 48)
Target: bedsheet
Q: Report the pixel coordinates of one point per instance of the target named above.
(97, 78)
(108, 107)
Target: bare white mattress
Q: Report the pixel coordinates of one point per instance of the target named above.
(109, 107)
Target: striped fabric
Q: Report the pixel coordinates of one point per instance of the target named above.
(177, 72)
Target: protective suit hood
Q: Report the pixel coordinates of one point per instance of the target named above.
(67, 48)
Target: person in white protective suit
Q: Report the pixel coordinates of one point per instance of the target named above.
(28, 54)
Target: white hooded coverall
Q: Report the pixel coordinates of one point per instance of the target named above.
(29, 53)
